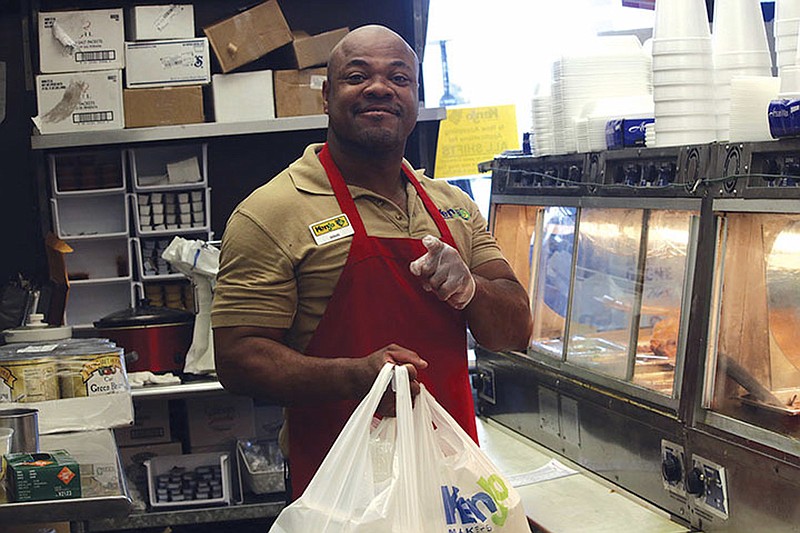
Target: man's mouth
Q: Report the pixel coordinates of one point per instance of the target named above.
(378, 111)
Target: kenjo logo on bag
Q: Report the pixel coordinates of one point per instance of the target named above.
(467, 511)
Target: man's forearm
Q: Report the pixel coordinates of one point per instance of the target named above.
(499, 315)
(265, 368)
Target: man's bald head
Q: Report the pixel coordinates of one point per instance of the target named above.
(369, 35)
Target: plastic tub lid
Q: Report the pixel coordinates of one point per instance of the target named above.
(37, 330)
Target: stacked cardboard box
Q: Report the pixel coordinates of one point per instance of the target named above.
(166, 67)
(81, 57)
(291, 88)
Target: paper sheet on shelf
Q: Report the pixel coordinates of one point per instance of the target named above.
(552, 470)
(186, 171)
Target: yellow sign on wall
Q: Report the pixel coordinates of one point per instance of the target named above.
(472, 135)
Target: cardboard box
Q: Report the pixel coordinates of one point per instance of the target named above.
(299, 92)
(167, 63)
(163, 106)
(79, 101)
(169, 21)
(313, 50)
(243, 96)
(72, 41)
(133, 458)
(43, 476)
(150, 425)
(216, 422)
(249, 35)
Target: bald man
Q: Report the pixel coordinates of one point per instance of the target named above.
(349, 259)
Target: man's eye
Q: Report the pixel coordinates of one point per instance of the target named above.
(355, 78)
(401, 79)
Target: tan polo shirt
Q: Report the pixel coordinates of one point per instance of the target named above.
(273, 273)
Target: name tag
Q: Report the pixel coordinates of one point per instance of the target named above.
(331, 229)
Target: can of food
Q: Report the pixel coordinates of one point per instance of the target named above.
(92, 371)
(28, 379)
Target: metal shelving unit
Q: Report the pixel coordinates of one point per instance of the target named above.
(195, 131)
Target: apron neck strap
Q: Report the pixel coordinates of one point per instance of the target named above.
(348, 206)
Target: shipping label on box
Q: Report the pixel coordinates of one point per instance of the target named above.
(299, 92)
(166, 63)
(150, 426)
(71, 41)
(52, 475)
(243, 96)
(249, 35)
(170, 21)
(163, 106)
(216, 423)
(79, 101)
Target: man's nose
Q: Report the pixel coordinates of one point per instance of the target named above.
(379, 87)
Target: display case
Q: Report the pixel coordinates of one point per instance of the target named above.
(608, 281)
(753, 357)
(664, 354)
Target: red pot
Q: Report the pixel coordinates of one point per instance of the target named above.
(154, 338)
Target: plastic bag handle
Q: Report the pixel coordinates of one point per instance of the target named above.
(354, 438)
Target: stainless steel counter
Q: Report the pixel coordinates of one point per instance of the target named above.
(581, 502)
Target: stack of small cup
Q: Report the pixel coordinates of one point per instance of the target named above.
(740, 48)
(683, 74)
(787, 23)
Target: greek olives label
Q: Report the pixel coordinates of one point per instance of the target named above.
(103, 375)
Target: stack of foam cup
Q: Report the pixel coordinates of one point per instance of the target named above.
(740, 48)
(787, 23)
(683, 74)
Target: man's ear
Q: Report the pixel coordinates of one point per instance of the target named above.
(325, 89)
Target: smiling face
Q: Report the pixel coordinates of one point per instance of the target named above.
(371, 94)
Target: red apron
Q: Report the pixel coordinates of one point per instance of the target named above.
(378, 301)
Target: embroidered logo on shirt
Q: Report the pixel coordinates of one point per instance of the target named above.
(453, 212)
(331, 229)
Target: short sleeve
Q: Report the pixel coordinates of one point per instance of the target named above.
(256, 284)
(484, 246)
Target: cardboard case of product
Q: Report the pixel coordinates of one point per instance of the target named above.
(249, 35)
(167, 63)
(313, 50)
(163, 106)
(243, 96)
(168, 21)
(79, 101)
(71, 41)
(52, 475)
(299, 92)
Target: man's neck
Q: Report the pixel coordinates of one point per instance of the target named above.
(379, 172)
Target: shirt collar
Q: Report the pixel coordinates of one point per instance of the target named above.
(309, 176)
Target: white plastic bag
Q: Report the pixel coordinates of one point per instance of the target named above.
(404, 475)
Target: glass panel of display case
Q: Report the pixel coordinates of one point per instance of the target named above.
(605, 290)
(552, 247)
(754, 353)
(512, 227)
(667, 237)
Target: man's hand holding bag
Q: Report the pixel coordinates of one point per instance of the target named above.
(404, 475)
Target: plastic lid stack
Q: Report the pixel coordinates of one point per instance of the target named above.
(612, 66)
(740, 48)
